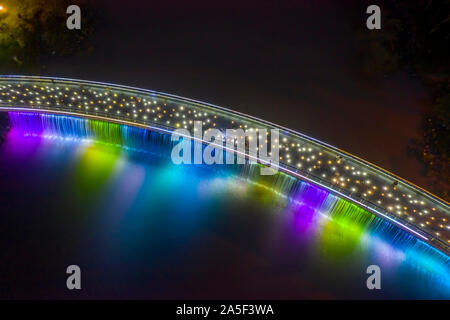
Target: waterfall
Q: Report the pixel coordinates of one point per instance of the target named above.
(346, 223)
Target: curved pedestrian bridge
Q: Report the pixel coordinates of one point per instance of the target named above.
(379, 191)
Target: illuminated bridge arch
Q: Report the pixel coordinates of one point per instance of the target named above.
(380, 192)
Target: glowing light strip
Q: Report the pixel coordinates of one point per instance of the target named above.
(203, 104)
(293, 173)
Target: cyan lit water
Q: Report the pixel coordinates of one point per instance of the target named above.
(108, 198)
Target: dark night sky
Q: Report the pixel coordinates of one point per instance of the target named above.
(291, 64)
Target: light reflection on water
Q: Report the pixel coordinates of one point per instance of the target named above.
(141, 227)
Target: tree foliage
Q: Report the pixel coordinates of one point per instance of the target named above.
(433, 149)
(416, 35)
(427, 45)
(31, 30)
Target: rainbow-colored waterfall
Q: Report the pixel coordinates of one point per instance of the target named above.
(144, 206)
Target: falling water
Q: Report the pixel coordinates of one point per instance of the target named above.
(340, 230)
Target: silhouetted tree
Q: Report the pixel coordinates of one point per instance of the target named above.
(433, 149)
